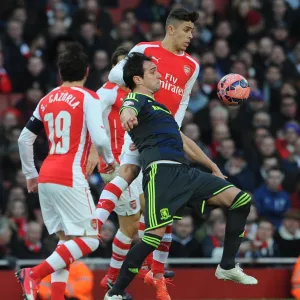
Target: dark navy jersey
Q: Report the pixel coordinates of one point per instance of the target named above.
(157, 136)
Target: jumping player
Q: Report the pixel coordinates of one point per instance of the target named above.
(179, 72)
(169, 184)
(128, 207)
(71, 117)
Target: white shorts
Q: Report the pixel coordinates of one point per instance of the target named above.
(70, 209)
(129, 202)
(128, 156)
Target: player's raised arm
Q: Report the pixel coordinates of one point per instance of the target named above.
(116, 73)
(196, 154)
(96, 128)
(26, 141)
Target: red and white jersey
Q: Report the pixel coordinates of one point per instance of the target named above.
(70, 116)
(179, 73)
(111, 99)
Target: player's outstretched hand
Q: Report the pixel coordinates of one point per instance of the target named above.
(93, 161)
(128, 119)
(132, 147)
(217, 172)
(110, 168)
(32, 185)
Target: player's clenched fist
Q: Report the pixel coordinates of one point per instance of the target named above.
(32, 185)
(128, 119)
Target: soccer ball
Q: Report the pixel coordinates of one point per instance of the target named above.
(233, 89)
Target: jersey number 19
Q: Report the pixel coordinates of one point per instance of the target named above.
(59, 128)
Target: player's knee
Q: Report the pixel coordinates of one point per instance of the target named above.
(129, 172)
(158, 231)
(242, 201)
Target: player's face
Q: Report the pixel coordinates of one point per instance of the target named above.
(182, 34)
(152, 77)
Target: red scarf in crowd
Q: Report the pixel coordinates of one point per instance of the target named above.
(21, 225)
(33, 247)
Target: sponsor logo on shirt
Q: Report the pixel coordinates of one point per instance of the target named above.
(127, 103)
(169, 82)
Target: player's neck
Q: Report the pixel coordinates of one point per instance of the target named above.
(73, 83)
(143, 90)
(168, 44)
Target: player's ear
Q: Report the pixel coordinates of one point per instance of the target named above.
(87, 71)
(137, 80)
(171, 29)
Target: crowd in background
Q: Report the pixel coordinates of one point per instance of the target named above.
(257, 145)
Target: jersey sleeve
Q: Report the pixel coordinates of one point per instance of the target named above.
(26, 141)
(107, 100)
(133, 102)
(116, 73)
(186, 96)
(93, 116)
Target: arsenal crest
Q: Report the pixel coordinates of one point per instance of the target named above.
(133, 204)
(186, 69)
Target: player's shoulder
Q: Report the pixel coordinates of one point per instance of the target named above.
(143, 46)
(87, 93)
(191, 59)
(109, 86)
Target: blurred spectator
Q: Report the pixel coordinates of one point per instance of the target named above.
(151, 11)
(79, 285)
(286, 145)
(264, 244)
(224, 152)
(192, 131)
(107, 233)
(8, 241)
(94, 13)
(184, 243)
(100, 65)
(26, 106)
(17, 213)
(214, 243)
(238, 172)
(271, 201)
(5, 81)
(288, 235)
(31, 247)
(16, 53)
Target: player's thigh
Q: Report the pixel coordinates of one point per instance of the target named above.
(76, 208)
(51, 216)
(129, 225)
(206, 187)
(166, 190)
(224, 198)
(129, 203)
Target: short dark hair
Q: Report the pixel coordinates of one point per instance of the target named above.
(118, 52)
(73, 63)
(134, 66)
(183, 15)
(276, 169)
